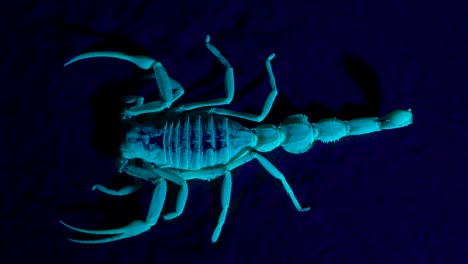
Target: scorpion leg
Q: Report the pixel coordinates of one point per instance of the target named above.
(174, 177)
(225, 189)
(136, 227)
(181, 201)
(272, 170)
(225, 198)
(266, 106)
(123, 191)
(136, 99)
(150, 173)
(277, 174)
(228, 83)
(227, 184)
(169, 91)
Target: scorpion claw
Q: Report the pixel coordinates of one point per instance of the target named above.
(133, 229)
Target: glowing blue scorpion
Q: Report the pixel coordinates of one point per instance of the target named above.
(198, 141)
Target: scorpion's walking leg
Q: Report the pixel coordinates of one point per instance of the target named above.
(225, 198)
(228, 83)
(277, 174)
(181, 201)
(266, 106)
(227, 185)
(148, 172)
(153, 107)
(272, 170)
(166, 85)
(120, 163)
(123, 191)
(136, 227)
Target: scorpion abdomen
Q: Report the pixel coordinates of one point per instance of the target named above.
(193, 142)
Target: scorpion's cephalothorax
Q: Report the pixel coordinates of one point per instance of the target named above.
(189, 142)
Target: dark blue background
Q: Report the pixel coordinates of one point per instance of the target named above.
(397, 196)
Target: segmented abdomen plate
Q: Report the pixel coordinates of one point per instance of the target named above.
(194, 142)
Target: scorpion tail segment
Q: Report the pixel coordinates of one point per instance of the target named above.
(296, 135)
(142, 62)
(397, 119)
(330, 130)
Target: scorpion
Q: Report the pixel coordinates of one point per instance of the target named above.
(200, 141)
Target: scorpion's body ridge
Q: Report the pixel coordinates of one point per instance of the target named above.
(199, 141)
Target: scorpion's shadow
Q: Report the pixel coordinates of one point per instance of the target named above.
(109, 131)
(366, 79)
(108, 102)
(369, 83)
